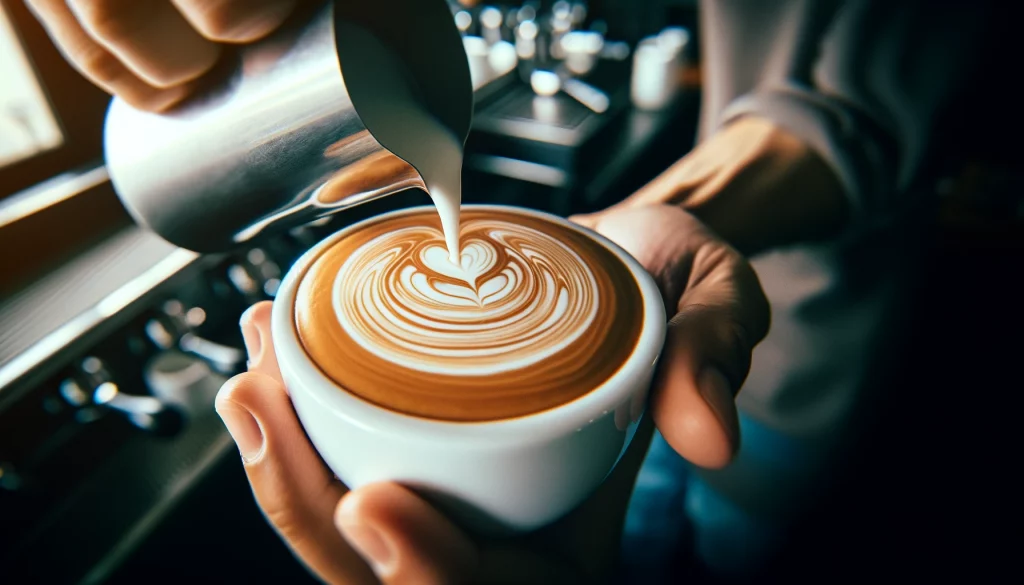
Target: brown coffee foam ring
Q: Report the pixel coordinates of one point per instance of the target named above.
(561, 378)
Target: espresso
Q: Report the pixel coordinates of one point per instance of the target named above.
(533, 315)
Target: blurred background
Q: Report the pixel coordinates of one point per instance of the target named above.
(115, 469)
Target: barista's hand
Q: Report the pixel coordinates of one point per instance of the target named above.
(152, 53)
(755, 183)
(720, 314)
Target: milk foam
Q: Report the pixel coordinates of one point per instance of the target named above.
(400, 298)
(535, 314)
(406, 128)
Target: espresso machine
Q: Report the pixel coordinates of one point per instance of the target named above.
(114, 467)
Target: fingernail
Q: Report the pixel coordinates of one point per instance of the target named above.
(261, 22)
(244, 430)
(251, 29)
(169, 97)
(251, 337)
(587, 221)
(369, 543)
(716, 390)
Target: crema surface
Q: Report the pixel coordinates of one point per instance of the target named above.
(534, 315)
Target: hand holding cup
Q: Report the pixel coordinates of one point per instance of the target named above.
(720, 313)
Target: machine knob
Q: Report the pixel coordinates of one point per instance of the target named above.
(184, 381)
(177, 327)
(222, 358)
(491, 21)
(463, 20)
(266, 269)
(255, 276)
(161, 333)
(244, 281)
(73, 393)
(78, 396)
(145, 412)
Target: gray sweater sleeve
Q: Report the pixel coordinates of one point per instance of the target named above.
(861, 81)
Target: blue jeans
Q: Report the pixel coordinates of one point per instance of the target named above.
(675, 517)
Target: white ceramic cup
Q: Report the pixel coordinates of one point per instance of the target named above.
(510, 475)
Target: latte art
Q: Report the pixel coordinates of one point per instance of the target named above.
(518, 298)
(534, 315)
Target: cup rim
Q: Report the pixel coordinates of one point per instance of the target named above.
(567, 417)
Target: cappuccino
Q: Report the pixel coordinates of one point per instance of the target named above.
(503, 384)
(533, 315)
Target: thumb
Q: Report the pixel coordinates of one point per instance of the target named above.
(720, 314)
(692, 399)
(292, 486)
(403, 538)
(587, 220)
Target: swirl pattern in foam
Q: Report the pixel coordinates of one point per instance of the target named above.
(519, 297)
(535, 315)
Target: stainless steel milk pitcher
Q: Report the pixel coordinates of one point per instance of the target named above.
(283, 140)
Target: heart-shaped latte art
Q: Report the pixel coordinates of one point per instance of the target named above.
(477, 258)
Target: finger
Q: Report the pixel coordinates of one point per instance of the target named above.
(692, 401)
(293, 487)
(150, 37)
(235, 21)
(720, 314)
(259, 345)
(675, 184)
(706, 358)
(98, 64)
(587, 220)
(637, 199)
(404, 538)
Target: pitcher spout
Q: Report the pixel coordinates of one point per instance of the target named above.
(365, 171)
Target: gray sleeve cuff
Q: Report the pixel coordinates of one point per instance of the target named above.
(859, 152)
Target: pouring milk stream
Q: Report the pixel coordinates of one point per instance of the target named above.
(340, 107)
